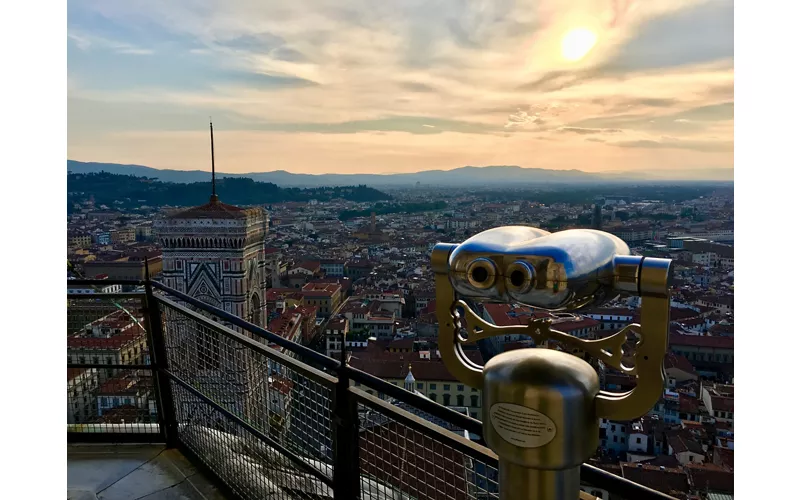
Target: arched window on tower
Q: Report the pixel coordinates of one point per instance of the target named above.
(255, 310)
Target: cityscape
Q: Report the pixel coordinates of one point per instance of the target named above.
(318, 271)
(402, 250)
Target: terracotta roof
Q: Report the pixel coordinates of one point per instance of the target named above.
(672, 481)
(405, 343)
(723, 457)
(710, 477)
(688, 404)
(120, 414)
(722, 403)
(673, 360)
(114, 342)
(320, 289)
(395, 365)
(122, 385)
(681, 444)
(701, 341)
(274, 294)
(212, 210)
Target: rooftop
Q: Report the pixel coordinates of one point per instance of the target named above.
(215, 210)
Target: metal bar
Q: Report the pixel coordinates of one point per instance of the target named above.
(347, 465)
(257, 433)
(96, 282)
(158, 357)
(618, 485)
(273, 354)
(464, 421)
(111, 367)
(114, 437)
(457, 442)
(209, 472)
(294, 347)
(99, 296)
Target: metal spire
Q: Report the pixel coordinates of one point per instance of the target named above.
(214, 197)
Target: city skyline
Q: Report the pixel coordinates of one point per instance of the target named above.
(313, 87)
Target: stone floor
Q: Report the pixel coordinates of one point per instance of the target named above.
(134, 472)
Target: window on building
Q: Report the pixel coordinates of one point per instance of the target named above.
(460, 388)
(615, 439)
(81, 360)
(460, 400)
(446, 400)
(433, 387)
(109, 360)
(433, 397)
(613, 428)
(95, 360)
(446, 387)
(473, 401)
(691, 458)
(420, 386)
(638, 440)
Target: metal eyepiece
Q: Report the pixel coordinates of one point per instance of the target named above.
(520, 277)
(481, 273)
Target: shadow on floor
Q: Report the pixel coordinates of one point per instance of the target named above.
(134, 472)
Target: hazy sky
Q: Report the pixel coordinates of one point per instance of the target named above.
(401, 85)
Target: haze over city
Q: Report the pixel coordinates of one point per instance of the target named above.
(388, 87)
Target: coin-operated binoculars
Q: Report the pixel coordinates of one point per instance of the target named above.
(541, 407)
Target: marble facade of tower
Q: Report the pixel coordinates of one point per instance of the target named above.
(215, 253)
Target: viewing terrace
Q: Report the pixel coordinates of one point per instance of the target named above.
(209, 410)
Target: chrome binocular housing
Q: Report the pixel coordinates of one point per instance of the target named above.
(562, 271)
(567, 270)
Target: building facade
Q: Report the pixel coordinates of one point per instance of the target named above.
(215, 253)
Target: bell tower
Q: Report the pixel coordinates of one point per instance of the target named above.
(215, 253)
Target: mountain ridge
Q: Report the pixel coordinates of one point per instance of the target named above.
(492, 175)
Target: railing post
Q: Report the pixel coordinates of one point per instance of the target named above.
(346, 465)
(158, 359)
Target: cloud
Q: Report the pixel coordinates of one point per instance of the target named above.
(415, 68)
(87, 42)
(700, 33)
(672, 143)
(585, 131)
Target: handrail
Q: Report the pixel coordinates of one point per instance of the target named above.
(460, 443)
(262, 349)
(294, 347)
(97, 282)
(466, 422)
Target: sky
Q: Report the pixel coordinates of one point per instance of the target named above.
(365, 86)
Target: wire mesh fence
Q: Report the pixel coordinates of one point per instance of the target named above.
(258, 417)
(242, 460)
(110, 390)
(399, 450)
(111, 400)
(266, 391)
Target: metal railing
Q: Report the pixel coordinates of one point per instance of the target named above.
(265, 422)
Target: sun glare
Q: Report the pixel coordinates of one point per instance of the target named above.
(577, 43)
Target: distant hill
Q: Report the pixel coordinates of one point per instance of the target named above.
(462, 177)
(107, 188)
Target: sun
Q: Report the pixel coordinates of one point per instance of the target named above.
(577, 43)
